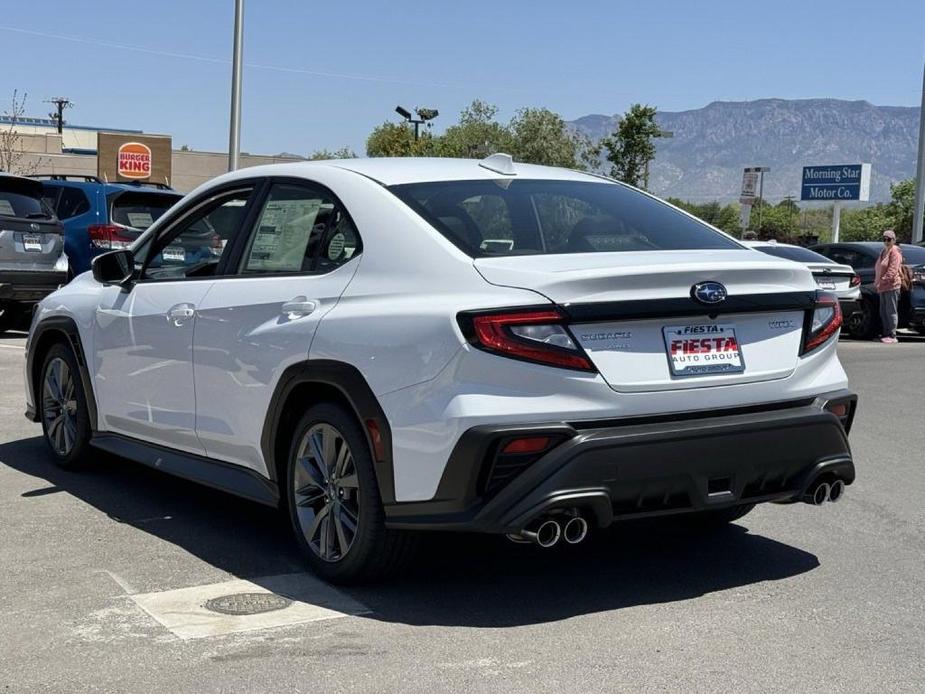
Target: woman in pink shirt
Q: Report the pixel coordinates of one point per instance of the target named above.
(888, 283)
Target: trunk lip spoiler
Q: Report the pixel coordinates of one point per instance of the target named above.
(641, 309)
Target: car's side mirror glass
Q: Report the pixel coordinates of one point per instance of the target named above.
(114, 267)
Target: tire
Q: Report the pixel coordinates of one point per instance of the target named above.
(862, 325)
(62, 406)
(338, 519)
(719, 518)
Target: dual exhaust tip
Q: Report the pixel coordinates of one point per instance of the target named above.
(820, 492)
(549, 530)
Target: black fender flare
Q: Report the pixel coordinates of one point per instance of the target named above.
(354, 389)
(67, 327)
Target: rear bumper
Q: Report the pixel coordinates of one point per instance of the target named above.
(642, 467)
(29, 286)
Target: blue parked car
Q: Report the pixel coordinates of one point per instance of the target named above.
(100, 216)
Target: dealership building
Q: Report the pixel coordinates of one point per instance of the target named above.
(111, 152)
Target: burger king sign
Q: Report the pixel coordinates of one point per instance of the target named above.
(134, 160)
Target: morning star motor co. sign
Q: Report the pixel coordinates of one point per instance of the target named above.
(836, 183)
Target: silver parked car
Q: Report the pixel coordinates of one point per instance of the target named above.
(32, 259)
(830, 276)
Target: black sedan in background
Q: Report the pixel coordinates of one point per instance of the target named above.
(862, 256)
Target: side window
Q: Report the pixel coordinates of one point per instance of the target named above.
(300, 229)
(193, 246)
(50, 197)
(72, 202)
(862, 261)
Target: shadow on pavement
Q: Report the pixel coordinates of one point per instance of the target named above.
(458, 580)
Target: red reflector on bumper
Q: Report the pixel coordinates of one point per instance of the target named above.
(530, 444)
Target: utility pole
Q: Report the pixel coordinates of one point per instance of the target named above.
(61, 103)
(917, 217)
(234, 137)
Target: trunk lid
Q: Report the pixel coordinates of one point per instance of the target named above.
(632, 313)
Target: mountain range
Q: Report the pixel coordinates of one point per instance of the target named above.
(710, 146)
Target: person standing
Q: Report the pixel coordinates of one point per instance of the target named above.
(888, 283)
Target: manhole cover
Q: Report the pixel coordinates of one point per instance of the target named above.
(247, 603)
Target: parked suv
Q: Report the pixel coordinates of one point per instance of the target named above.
(862, 256)
(32, 260)
(100, 216)
(391, 345)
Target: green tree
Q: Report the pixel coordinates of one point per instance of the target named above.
(866, 223)
(725, 217)
(342, 153)
(540, 136)
(477, 134)
(397, 140)
(902, 209)
(631, 146)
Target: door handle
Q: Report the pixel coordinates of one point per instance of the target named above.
(180, 313)
(299, 307)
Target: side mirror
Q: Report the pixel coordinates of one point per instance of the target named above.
(114, 267)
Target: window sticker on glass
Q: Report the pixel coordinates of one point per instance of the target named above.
(140, 220)
(283, 235)
(7, 208)
(336, 246)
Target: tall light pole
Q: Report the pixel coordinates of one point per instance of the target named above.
(234, 137)
(917, 218)
(424, 115)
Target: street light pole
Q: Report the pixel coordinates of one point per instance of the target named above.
(234, 137)
(917, 219)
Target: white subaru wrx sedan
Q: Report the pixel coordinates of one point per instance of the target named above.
(383, 346)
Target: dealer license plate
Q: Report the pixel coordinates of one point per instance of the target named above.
(174, 253)
(826, 283)
(32, 242)
(697, 350)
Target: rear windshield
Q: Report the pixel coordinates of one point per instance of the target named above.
(139, 210)
(511, 217)
(23, 205)
(800, 255)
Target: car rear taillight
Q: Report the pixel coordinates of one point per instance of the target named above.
(855, 281)
(918, 276)
(109, 236)
(822, 322)
(538, 336)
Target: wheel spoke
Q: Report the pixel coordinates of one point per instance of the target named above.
(310, 496)
(349, 482)
(316, 523)
(315, 441)
(349, 515)
(315, 477)
(341, 535)
(329, 441)
(343, 457)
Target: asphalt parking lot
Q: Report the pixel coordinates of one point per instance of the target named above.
(792, 598)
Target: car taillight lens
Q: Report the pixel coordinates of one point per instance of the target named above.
(918, 276)
(535, 336)
(855, 281)
(822, 323)
(109, 236)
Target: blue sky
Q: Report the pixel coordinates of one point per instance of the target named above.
(323, 74)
